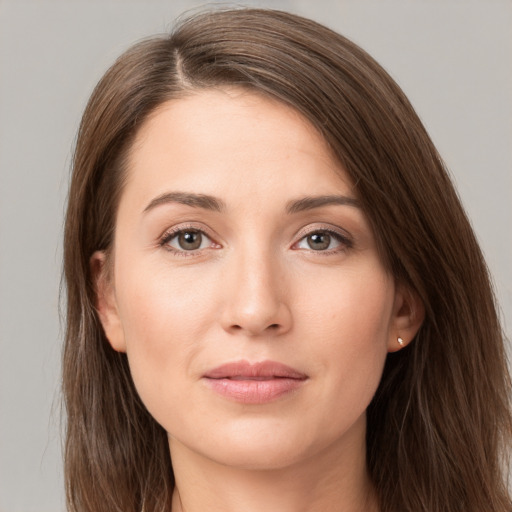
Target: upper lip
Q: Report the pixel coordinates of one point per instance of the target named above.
(255, 370)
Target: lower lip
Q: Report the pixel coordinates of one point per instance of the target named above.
(254, 391)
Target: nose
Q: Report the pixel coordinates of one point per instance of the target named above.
(257, 302)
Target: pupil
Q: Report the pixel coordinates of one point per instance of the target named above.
(319, 241)
(190, 240)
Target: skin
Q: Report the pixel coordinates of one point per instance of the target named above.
(255, 290)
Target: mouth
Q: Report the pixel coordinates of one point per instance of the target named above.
(254, 383)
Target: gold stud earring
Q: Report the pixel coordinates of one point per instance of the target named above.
(400, 341)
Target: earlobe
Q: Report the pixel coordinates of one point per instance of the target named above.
(105, 303)
(408, 315)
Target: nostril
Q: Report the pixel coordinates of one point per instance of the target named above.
(272, 327)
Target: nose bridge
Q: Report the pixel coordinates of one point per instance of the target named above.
(256, 302)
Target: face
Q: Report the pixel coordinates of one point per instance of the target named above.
(247, 290)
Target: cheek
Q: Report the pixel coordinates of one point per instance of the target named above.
(352, 309)
(158, 304)
(164, 319)
(349, 318)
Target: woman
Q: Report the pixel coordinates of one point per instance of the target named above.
(266, 310)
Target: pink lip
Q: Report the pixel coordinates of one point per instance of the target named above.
(254, 383)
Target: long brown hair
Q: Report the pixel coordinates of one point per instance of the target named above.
(439, 426)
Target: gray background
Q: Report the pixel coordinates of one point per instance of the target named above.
(452, 58)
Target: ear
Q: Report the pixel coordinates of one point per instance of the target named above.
(106, 304)
(408, 315)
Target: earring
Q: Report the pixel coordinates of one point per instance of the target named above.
(400, 341)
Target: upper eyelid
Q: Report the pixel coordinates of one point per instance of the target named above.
(329, 228)
(173, 231)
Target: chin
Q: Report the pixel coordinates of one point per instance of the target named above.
(258, 446)
(260, 458)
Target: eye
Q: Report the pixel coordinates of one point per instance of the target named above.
(322, 240)
(187, 240)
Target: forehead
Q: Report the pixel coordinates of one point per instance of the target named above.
(231, 142)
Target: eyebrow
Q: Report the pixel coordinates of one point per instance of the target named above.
(311, 202)
(212, 203)
(187, 198)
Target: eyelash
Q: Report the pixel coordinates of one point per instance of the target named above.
(344, 240)
(174, 232)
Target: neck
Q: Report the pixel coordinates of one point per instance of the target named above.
(333, 480)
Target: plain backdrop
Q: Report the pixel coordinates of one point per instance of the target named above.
(452, 58)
